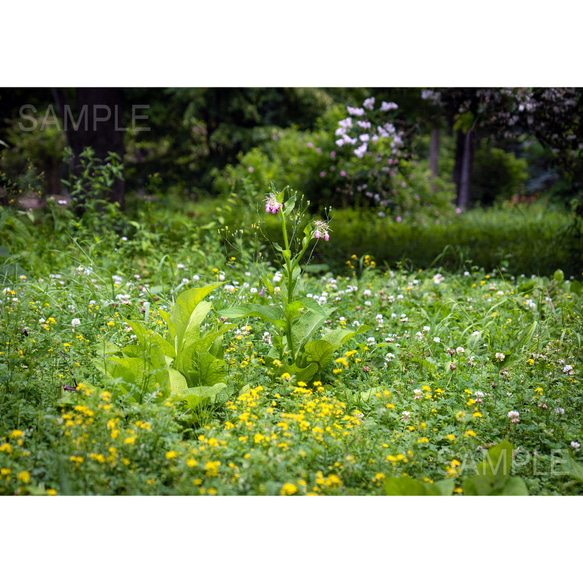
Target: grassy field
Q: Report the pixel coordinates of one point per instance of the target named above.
(461, 377)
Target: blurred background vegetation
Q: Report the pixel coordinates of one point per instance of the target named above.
(481, 184)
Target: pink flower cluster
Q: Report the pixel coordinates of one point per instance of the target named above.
(271, 204)
(322, 230)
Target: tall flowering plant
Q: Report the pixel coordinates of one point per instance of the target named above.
(296, 318)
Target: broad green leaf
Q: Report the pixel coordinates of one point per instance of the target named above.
(304, 328)
(192, 332)
(404, 486)
(293, 310)
(178, 382)
(185, 304)
(559, 276)
(366, 395)
(320, 352)
(147, 338)
(575, 469)
(302, 374)
(443, 487)
(270, 313)
(515, 487)
(576, 287)
(341, 335)
(204, 369)
(314, 306)
(497, 462)
(196, 395)
(480, 485)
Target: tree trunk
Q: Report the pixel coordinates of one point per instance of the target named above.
(94, 120)
(464, 156)
(434, 152)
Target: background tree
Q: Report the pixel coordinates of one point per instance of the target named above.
(92, 118)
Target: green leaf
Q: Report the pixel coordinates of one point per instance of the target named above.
(515, 487)
(185, 304)
(178, 382)
(340, 335)
(192, 332)
(366, 395)
(204, 369)
(444, 487)
(526, 287)
(316, 267)
(147, 337)
(302, 374)
(293, 310)
(575, 469)
(304, 327)
(559, 276)
(270, 313)
(196, 395)
(479, 485)
(498, 461)
(320, 352)
(404, 487)
(576, 287)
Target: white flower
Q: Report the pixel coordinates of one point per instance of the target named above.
(388, 106)
(568, 370)
(195, 277)
(358, 111)
(438, 278)
(575, 445)
(361, 150)
(426, 328)
(500, 356)
(560, 411)
(277, 277)
(369, 103)
(370, 341)
(514, 416)
(179, 266)
(459, 350)
(75, 322)
(437, 339)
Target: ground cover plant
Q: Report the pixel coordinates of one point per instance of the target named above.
(176, 355)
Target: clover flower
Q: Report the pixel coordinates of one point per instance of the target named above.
(271, 204)
(500, 356)
(575, 445)
(514, 416)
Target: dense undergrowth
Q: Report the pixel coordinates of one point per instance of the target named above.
(473, 341)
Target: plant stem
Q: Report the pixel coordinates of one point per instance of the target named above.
(286, 256)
